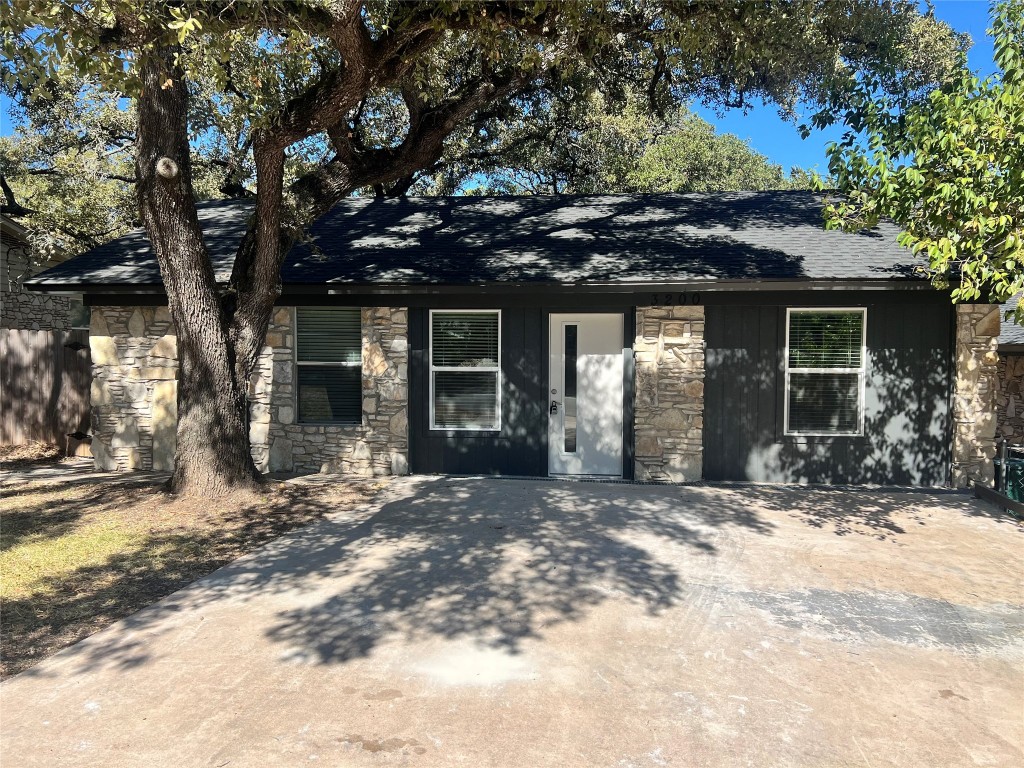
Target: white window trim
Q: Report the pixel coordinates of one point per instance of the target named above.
(311, 363)
(861, 371)
(432, 369)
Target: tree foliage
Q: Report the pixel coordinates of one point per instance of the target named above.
(69, 166)
(247, 64)
(306, 102)
(949, 170)
(593, 145)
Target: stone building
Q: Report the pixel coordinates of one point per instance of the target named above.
(20, 308)
(658, 338)
(1010, 377)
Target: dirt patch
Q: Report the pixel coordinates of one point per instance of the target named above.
(77, 558)
(32, 455)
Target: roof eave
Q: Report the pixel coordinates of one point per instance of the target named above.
(706, 284)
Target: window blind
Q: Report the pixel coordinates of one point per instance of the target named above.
(462, 339)
(825, 339)
(825, 371)
(465, 349)
(328, 357)
(824, 402)
(328, 335)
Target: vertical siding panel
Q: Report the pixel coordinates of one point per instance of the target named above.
(767, 352)
(907, 419)
(943, 336)
(918, 341)
(924, 341)
(751, 437)
(740, 434)
(718, 434)
(419, 455)
(897, 341)
(709, 470)
(730, 421)
(783, 443)
(736, 432)
(723, 371)
(929, 341)
(534, 453)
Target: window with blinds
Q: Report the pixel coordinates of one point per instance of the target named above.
(328, 365)
(825, 370)
(465, 369)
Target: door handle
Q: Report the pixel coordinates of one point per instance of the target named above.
(554, 407)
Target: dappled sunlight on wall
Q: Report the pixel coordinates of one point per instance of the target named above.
(906, 438)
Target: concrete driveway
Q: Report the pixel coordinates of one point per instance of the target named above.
(519, 623)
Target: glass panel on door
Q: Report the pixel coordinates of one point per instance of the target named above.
(570, 357)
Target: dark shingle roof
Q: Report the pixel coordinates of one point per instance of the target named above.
(130, 261)
(613, 239)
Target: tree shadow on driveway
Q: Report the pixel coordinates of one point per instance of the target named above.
(494, 561)
(498, 561)
(882, 514)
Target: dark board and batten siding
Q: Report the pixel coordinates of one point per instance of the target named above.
(907, 425)
(520, 447)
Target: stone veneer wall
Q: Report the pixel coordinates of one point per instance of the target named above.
(1010, 397)
(974, 393)
(18, 307)
(377, 446)
(669, 409)
(134, 387)
(134, 397)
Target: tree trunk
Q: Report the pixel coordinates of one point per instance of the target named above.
(256, 276)
(212, 455)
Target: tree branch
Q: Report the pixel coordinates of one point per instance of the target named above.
(421, 148)
(11, 206)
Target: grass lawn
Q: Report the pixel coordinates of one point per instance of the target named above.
(77, 557)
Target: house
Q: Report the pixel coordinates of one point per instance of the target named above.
(20, 308)
(655, 338)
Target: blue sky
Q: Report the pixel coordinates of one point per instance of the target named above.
(778, 139)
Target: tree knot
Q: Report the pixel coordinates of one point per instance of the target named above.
(166, 168)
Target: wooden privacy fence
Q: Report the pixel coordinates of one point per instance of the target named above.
(44, 388)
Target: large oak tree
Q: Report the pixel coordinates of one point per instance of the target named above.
(312, 80)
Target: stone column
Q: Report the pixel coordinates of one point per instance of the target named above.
(669, 410)
(974, 394)
(134, 387)
(260, 387)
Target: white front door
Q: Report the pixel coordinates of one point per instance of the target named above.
(585, 394)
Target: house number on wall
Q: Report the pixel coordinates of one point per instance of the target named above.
(674, 299)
